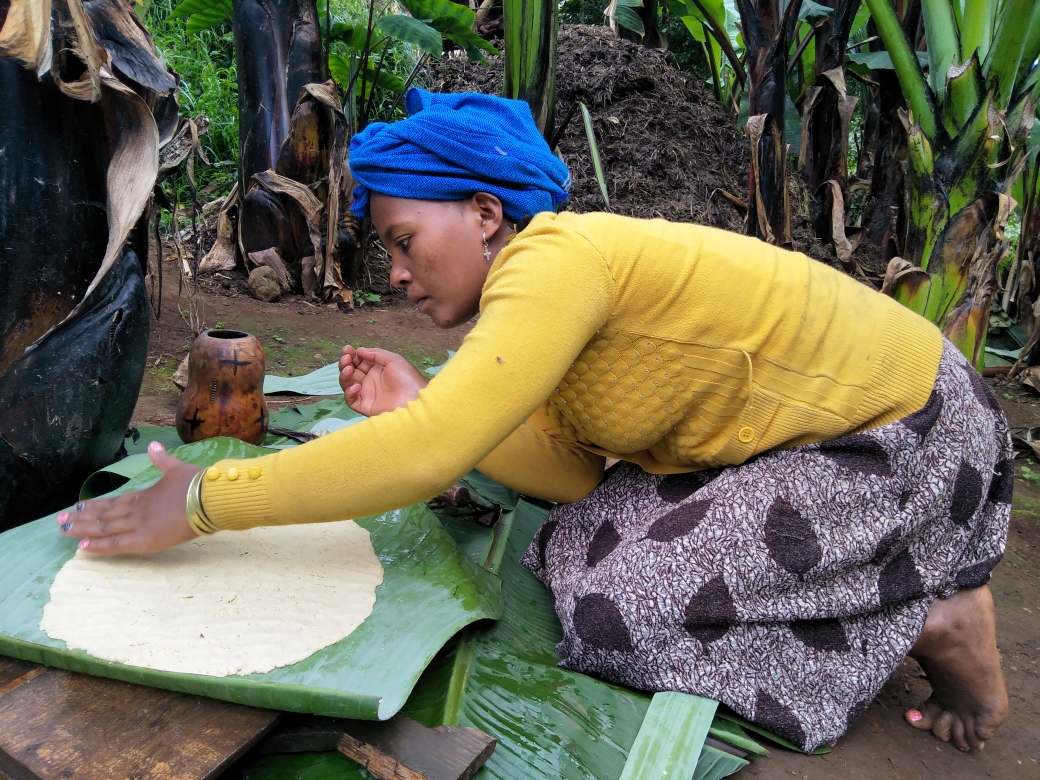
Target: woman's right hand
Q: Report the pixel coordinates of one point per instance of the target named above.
(376, 381)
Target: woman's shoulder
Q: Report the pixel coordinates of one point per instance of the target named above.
(602, 229)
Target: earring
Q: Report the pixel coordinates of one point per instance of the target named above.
(487, 249)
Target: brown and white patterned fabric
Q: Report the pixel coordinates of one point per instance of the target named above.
(789, 587)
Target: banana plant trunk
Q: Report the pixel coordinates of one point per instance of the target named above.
(277, 52)
(81, 156)
(826, 116)
(768, 28)
(293, 181)
(966, 127)
(530, 67)
(882, 163)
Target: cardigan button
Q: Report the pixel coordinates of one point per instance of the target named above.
(232, 473)
(746, 434)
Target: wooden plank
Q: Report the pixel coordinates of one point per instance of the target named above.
(56, 725)
(14, 673)
(397, 749)
(671, 737)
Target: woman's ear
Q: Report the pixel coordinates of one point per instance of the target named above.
(490, 209)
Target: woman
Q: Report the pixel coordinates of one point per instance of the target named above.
(813, 483)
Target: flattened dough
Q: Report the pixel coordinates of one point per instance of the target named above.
(237, 602)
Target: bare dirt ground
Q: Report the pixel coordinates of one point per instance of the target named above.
(299, 337)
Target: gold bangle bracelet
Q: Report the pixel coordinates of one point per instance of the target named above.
(197, 517)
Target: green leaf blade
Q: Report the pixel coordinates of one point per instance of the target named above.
(597, 163)
(670, 738)
(413, 31)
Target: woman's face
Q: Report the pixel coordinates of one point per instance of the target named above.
(437, 251)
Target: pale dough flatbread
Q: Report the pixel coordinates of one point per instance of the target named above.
(237, 602)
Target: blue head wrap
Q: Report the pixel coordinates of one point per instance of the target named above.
(453, 145)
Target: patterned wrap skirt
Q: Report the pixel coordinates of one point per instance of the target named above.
(789, 587)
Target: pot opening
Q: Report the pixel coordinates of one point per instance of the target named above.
(227, 334)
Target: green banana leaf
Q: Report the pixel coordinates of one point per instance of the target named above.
(431, 590)
(146, 434)
(114, 476)
(296, 418)
(324, 381)
(687, 719)
(503, 678)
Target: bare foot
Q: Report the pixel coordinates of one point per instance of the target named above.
(958, 652)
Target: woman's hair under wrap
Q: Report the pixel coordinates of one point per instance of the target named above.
(453, 145)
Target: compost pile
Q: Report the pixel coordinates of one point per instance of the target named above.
(664, 141)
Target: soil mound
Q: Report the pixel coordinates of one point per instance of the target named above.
(664, 141)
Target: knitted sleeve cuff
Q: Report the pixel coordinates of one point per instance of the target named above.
(234, 494)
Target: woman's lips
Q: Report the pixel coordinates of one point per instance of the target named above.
(421, 303)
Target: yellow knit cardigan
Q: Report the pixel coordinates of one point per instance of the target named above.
(677, 347)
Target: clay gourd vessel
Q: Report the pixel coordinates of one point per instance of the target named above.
(225, 392)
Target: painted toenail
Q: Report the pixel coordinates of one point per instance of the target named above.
(914, 716)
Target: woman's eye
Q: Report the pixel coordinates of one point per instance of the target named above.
(403, 243)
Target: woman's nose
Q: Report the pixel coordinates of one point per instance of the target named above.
(399, 276)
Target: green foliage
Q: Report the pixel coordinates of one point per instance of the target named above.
(411, 30)
(361, 297)
(202, 14)
(623, 13)
(454, 22)
(205, 61)
(374, 49)
(581, 12)
(597, 164)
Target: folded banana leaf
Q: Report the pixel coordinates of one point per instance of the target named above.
(431, 590)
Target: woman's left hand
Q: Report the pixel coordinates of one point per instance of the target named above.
(144, 521)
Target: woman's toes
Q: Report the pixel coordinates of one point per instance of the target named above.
(924, 716)
(943, 726)
(918, 720)
(957, 735)
(971, 734)
(984, 731)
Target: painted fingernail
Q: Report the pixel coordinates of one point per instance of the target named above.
(83, 544)
(80, 506)
(66, 527)
(914, 716)
(155, 447)
(63, 517)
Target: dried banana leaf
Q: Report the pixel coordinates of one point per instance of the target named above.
(80, 159)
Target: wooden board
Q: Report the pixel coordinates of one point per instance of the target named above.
(396, 749)
(56, 725)
(403, 749)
